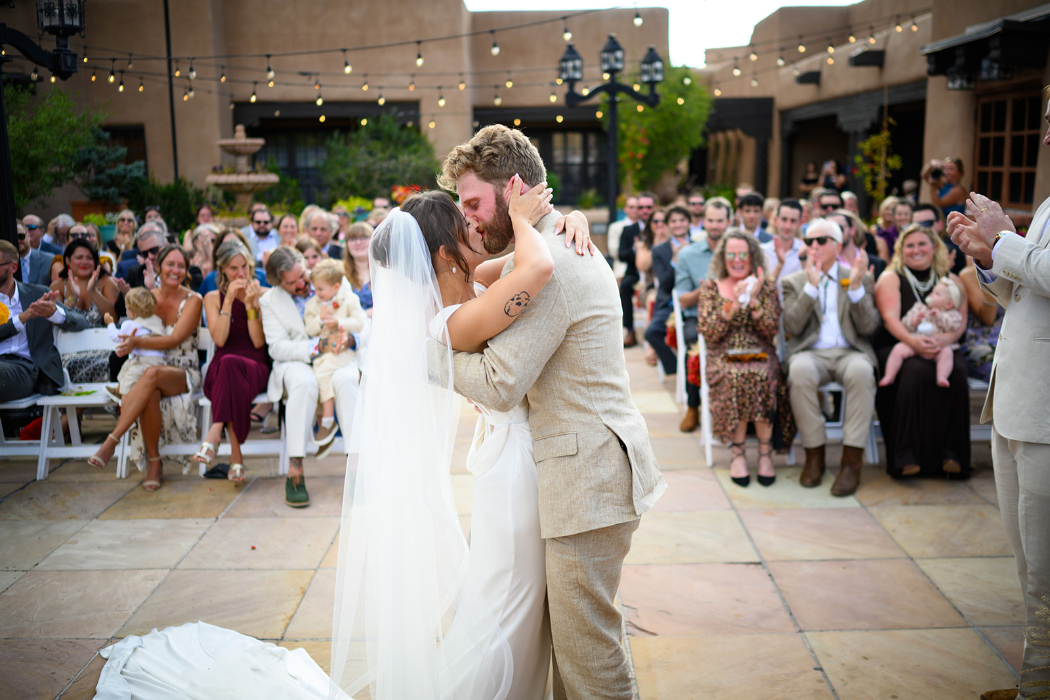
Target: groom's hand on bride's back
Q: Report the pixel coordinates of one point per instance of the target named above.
(576, 229)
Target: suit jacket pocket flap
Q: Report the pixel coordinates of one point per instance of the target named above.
(563, 445)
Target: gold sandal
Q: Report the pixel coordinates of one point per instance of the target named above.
(97, 463)
(154, 483)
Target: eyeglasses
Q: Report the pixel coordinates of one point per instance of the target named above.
(344, 215)
(742, 256)
(925, 224)
(358, 239)
(819, 240)
(21, 236)
(698, 203)
(81, 234)
(263, 223)
(151, 253)
(125, 220)
(645, 206)
(32, 227)
(831, 206)
(658, 221)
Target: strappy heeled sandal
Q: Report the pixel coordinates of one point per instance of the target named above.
(94, 460)
(152, 485)
(202, 453)
(236, 473)
(737, 448)
(765, 451)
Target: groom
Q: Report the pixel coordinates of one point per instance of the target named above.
(597, 472)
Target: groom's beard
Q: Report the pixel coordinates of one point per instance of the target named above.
(499, 229)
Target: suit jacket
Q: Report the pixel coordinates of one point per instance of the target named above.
(49, 248)
(565, 352)
(1018, 400)
(41, 338)
(802, 316)
(335, 252)
(663, 271)
(39, 268)
(627, 238)
(286, 337)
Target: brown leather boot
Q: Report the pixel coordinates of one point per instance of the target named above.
(690, 420)
(848, 480)
(629, 339)
(813, 472)
(1007, 694)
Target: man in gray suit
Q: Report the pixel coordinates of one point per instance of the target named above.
(34, 266)
(1016, 271)
(596, 470)
(29, 361)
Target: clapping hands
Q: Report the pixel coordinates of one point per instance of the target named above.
(860, 268)
(44, 307)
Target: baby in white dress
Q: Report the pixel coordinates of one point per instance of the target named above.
(142, 320)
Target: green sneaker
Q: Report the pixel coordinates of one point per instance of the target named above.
(296, 495)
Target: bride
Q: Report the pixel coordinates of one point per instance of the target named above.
(415, 616)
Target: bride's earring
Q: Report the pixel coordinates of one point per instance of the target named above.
(453, 269)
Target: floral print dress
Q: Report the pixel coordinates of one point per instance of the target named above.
(744, 391)
(178, 413)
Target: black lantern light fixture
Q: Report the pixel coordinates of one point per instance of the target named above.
(651, 73)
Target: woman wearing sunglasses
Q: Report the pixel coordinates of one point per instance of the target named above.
(739, 315)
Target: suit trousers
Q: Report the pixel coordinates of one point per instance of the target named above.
(810, 369)
(346, 384)
(1022, 480)
(656, 335)
(583, 575)
(300, 392)
(627, 297)
(17, 377)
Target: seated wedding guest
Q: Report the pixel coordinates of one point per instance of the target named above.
(902, 212)
(849, 202)
(85, 285)
(124, 235)
(288, 230)
(664, 259)
(886, 226)
(35, 227)
(94, 235)
(750, 211)
(200, 243)
(148, 242)
(311, 251)
(355, 263)
(334, 309)
(319, 227)
(58, 264)
(829, 312)
(343, 219)
(292, 351)
(161, 408)
(739, 316)
(142, 320)
(227, 235)
(34, 266)
(932, 217)
(58, 230)
(984, 322)
(262, 238)
(938, 315)
(29, 361)
(926, 427)
(240, 367)
(781, 255)
(855, 237)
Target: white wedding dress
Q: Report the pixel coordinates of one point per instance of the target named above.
(506, 550)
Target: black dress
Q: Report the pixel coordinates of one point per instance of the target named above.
(923, 423)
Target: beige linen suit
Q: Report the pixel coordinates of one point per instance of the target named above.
(596, 470)
(808, 368)
(1018, 405)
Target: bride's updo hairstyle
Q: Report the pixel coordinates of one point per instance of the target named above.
(442, 224)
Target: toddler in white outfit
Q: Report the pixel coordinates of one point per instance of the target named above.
(142, 320)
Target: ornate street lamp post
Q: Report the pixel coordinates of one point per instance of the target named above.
(652, 73)
(62, 19)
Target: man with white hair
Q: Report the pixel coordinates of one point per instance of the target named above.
(57, 230)
(829, 312)
(319, 226)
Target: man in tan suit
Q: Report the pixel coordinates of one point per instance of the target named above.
(829, 312)
(596, 470)
(1016, 271)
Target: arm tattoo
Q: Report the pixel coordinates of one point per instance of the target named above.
(517, 304)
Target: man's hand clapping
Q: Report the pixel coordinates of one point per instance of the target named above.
(860, 268)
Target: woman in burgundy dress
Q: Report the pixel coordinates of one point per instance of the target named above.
(241, 367)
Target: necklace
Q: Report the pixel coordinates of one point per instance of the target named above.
(920, 289)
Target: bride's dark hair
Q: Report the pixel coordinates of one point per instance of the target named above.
(442, 223)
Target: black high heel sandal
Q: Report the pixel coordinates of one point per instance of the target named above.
(737, 448)
(765, 451)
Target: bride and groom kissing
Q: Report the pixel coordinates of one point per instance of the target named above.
(561, 459)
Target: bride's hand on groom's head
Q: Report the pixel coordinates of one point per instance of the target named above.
(576, 229)
(531, 205)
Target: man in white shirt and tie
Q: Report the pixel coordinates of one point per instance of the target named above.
(829, 312)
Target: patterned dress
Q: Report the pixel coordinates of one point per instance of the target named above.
(744, 391)
(86, 366)
(979, 344)
(179, 412)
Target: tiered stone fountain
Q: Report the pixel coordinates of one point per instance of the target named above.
(242, 183)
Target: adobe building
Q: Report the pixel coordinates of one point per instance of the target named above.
(959, 77)
(225, 42)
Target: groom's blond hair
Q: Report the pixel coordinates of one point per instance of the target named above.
(495, 155)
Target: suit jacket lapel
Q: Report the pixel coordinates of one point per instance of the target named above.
(843, 297)
(288, 311)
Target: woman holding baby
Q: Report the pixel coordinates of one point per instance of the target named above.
(240, 367)
(925, 423)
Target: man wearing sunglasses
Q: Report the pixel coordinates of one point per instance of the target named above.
(149, 240)
(35, 229)
(264, 237)
(34, 266)
(829, 312)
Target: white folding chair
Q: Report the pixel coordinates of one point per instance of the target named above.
(707, 438)
(679, 331)
(16, 447)
(71, 398)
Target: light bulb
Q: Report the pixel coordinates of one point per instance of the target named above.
(681, 100)
(319, 101)
(585, 92)
(640, 108)
(780, 60)
(637, 19)
(753, 56)
(347, 68)
(189, 91)
(321, 119)
(871, 37)
(605, 76)
(269, 83)
(419, 53)
(53, 79)
(509, 83)
(365, 86)
(193, 73)
(93, 76)
(636, 87)
(142, 87)
(232, 105)
(85, 56)
(687, 80)
(553, 98)
(432, 124)
(178, 71)
(130, 64)
(497, 100)
(566, 34)
(852, 38)
(599, 114)
(120, 88)
(112, 76)
(253, 97)
(495, 45)
(754, 82)
(831, 61)
(441, 100)
(558, 81)
(736, 71)
(412, 85)
(559, 119)
(381, 100)
(34, 75)
(718, 92)
(898, 26)
(517, 122)
(317, 85)
(222, 77)
(831, 48)
(914, 26)
(269, 68)
(801, 46)
(462, 84)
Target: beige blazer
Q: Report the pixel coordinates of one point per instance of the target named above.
(1018, 400)
(565, 352)
(285, 335)
(802, 316)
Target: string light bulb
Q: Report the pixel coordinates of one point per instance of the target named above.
(120, 88)
(441, 98)
(753, 56)
(605, 76)
(560, 118)
(718, 92)
(321, 119)
(381, 100)
(419, 53)
(142, 87)
(852, 37)
(898, 26)
(517, 122)
(222, 76)
(558, 81)
(178, 71)
(640, 108)
(189, 91)
(253, 98)
(320, 100)
(510, 81)
(192, 73)
(687, 80)
(232, 105)
(831, 61)
(736, 70)
(599, 114)
(93, 76)
(637, 19)
(871, 37)
(364, 87)
(565, 33)
(462, 82)
(269, 68)
(681, 100)
(780, 59)
(754, 81)
(34, 75)
(432, 124)
(130, 64)
(553, 97)
(185, 95)
(347, 68)
(412, 83)
(801, 46)
(112, 76)
(831, 47)
(585, 91)
(495, 44)
(54, 79)
(85, 55)
(914, 26)
(636, 87)
(497, 100)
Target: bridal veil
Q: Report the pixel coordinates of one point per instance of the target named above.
(406, 623)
